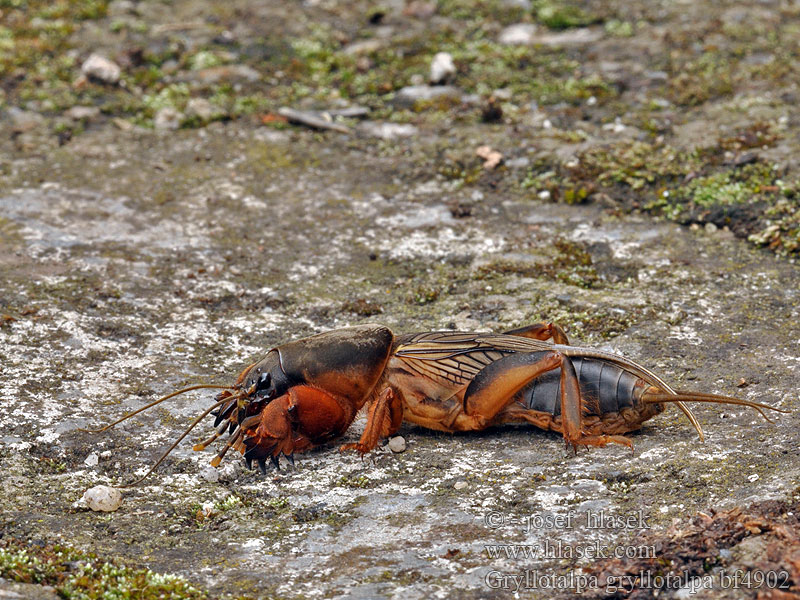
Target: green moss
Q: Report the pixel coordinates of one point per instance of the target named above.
(781, 231)
(83, 576)
(562, 15)
(355, 481)
(34, 37)
(205, 59)
(636, 164)
(171, 96)
(229, 503)
(707, 77)
(751, 184)
(619, 28)
(571, 264)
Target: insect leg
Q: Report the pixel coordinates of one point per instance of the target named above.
(493, 389)
(542, 332)
(292, 422)
(572, 410)
(384, 419)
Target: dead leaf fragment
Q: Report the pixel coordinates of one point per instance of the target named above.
(491, 158)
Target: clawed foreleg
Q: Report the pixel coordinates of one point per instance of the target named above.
(383, 419)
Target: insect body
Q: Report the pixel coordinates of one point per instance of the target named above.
(307, 392)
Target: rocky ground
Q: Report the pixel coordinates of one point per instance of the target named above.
(628, 170)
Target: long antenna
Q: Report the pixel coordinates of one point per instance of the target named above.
(154, 402)
(178, 441)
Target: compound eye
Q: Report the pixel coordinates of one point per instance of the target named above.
(264, 385)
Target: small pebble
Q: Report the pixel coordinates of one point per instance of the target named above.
(397, 444)
(460, 484)
(443, 69)
(210, 474)
(91, 460)
(411, 94)
(102, 498)
(518, 34)
(167, 118)
(388, 131)
(82, 113)
(99, 67)
(200, 108)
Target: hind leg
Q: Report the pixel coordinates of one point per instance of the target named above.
(494, 388)
(515, 413)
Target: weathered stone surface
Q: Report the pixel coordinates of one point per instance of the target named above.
(12, 590)
(134, 263)
(142, 294)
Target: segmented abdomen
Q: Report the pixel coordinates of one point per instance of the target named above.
(605, 388)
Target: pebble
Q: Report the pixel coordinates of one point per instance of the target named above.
(411, 94)
(82, 113)
(103, 498)
(520, 162)
(167, 118)
(91, 460)
(524, 34)
(460, 484)
(519, 34)
(420, 9)
(362, 47)
(24, 120)
(209, 473)
(199, 108)
(443, 69)
(710, 228)
(397, 444)
(570, 37)
(388, 131)
(224, 73)
(100, 68)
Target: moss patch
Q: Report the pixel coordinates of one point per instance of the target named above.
(83, 576)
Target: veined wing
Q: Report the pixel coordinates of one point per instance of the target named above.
(455, 358)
